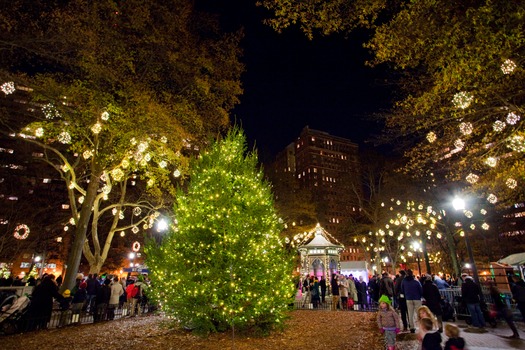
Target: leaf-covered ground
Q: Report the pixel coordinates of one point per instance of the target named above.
(305, 329)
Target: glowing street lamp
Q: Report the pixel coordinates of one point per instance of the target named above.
(459, 204)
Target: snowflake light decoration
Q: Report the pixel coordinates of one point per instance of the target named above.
(104, 116)
(517, 143)
(164, 139)
(135, 229)
(462, 100)
(96, 129)
(39, 132)
(498, 126)
(81, 199)
(459, 144)
(431, 137)
(492, 198)
(512, 118)
(137, 211)
(114, 211)
(511, 183)
(8, 87)
(87, 154)
(163, 164)
(466, 128)
(176, 173)
(117, 174)
(491, 161)
(64, 137)
(125, 164)
(50, 111)
(508, 66)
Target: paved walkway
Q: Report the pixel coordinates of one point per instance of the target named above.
(494, 339)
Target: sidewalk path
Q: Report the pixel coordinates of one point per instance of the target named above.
(494, 339)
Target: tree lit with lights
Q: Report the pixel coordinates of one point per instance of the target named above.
(223, 264)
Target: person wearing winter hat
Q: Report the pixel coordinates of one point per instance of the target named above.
(65, 313)
(388, 321)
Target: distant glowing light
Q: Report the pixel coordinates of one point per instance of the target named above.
(164, 139)
(97, 128)
(511, 183)
(117, 174)
(39, 132)
(50, 111)
(176, 173)
(87, 154)
(163, 164)
(517, 143)
(104, 116)
(64, 137)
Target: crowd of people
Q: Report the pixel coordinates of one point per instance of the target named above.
(93, 295)
(409, 303)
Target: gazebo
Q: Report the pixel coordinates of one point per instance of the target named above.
(320, 255)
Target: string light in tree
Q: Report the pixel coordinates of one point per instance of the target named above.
(96, 128)
(492, 198)
(511, 183)
(50, 111)
(21, 231)
(431, 137)
(117, 174)
(472, 178)
(39, 132)
(122, 233)
(517, 143)
(491, 161)
(466, 128)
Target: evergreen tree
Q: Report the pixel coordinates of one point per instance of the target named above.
(223, 264)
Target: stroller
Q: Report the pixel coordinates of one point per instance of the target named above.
(12, 312)
(489, 314)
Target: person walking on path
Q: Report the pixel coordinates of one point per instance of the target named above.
(471, 295)
(388, 322)
(413, 292)
(518, 293)
(502, 309)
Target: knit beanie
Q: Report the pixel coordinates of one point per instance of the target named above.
(385, 299)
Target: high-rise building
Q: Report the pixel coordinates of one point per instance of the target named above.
(328, 166)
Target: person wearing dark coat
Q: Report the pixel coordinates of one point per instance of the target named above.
(433, 300)
(41, 305)
(471, 295)
(401, 299)
(362, 298)
(322, 285)
(102, 301)
(334, 284)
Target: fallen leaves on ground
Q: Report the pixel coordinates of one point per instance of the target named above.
(304, 329)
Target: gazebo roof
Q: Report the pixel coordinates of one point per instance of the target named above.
(322, 239)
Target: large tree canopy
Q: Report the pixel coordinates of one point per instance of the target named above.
(120, 92)
(462, 107)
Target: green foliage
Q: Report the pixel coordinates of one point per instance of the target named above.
(448, 52)
(223, 264)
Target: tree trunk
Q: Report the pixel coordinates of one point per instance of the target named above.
(75, 254)
(452, 250)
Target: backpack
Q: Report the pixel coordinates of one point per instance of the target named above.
(135, 292)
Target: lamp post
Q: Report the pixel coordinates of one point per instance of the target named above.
(459, 204)
(416, 248)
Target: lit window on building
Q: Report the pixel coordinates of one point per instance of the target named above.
(46, 181)
(65, 206)
(12, 198)
(38, 155)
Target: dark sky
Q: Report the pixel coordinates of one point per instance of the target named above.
(291, 81)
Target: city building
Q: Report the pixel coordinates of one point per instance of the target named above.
(328, 166)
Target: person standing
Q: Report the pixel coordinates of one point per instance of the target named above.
(413, 292)
(402, 302)
(315, 293)
(92, 289)
(343, 292)
(322, 285)
(386, 286)
(334, 284)
(362, 297)
(352, 290)
(41, 305)
(116, 292)
(433, 300)
(471, 295)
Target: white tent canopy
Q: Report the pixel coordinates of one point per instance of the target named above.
(513, 259)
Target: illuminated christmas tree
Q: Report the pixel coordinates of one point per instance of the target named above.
(223, 263)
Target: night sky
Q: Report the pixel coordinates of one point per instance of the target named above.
(291, 81)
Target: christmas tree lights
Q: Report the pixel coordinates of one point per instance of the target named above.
(223, 264)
